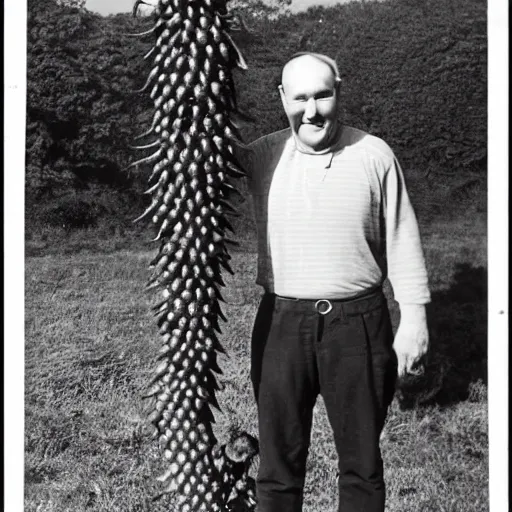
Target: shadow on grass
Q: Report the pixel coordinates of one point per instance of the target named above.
(457, 357)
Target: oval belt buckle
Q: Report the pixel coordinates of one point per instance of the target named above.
(326, 302)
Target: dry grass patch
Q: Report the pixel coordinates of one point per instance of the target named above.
(90, 348)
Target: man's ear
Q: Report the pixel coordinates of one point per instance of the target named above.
(337, 84)
(283, 97)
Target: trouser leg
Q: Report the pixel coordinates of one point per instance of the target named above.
(357, 371)
(284, 379)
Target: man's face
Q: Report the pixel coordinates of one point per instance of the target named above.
(310, 100)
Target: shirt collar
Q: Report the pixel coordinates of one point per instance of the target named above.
(325, 155)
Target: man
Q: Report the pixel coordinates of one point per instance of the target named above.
(333, 220)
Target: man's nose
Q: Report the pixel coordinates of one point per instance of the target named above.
(310, 110)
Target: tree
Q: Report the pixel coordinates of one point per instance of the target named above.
(80, 113)
(413, 73)
(79, 4)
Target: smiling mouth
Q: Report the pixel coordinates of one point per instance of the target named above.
(317, 125)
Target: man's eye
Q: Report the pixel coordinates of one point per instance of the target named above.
(324, 95)
(300, 98)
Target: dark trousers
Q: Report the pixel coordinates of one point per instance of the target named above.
(346, 356)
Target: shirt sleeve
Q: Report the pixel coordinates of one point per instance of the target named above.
(244, 154)
(405, 259)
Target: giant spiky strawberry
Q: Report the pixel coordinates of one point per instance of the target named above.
(191, 85)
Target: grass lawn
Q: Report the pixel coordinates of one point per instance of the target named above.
(90, 348)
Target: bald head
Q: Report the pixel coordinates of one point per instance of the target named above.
(309, 63)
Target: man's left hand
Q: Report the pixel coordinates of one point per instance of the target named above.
(411, 338)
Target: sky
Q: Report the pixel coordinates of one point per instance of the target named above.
(109, 6)
(115, 6)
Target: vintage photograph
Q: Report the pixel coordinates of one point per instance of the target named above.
(256, 256)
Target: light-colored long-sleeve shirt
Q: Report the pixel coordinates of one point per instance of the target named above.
(336, 224)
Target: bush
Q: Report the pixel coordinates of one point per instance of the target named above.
(90, 207)
(413, 73)
(73, 213)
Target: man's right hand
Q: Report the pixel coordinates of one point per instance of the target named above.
(411, 339)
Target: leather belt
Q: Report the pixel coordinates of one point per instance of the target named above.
(325, 306)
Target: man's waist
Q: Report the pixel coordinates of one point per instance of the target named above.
(363, 302)
(337, 288)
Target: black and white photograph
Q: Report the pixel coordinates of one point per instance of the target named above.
(256, 256)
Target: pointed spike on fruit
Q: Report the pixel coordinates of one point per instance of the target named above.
(217, 345)
(218, 279)
(235, 129)
(154, 417)
(150, 78)
(214, 366)
(165, 476)
(156, 119)
(227, 224)
(141, 34)
(149, 159)
(160, 370)
(160, 168)
(147, 146)
(156, 282)
(203, 393)
(221, 314)
(148, 210)
(155, 27)
(243, 25)
(235, 169)
(172, 487)
(240, 61)
(161, 264)
(216, 326)
(160, 306)
(164, 308)
(228, 206)
(211, 386)
(148, 55)
(146, 133)
(227, 266)
(154, 122)
(233, 133)
(150, 190)
(231, 136)
(161, 231)
(164, 350)
(154, 390)
(135, 8)
(206, 416)
(219, 295)
(158, 496)
(163, 323)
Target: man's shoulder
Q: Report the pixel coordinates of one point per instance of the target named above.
(364, 141)
(271, 140)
